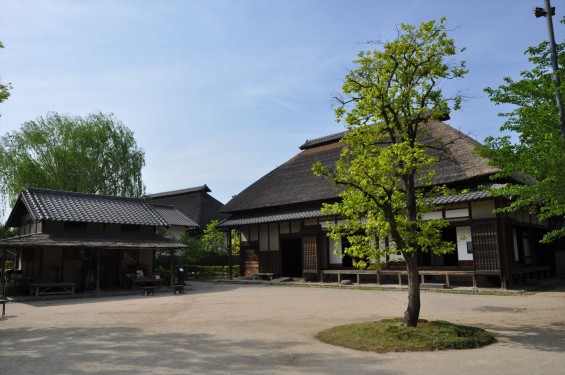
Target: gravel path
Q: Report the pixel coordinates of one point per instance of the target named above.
(261, 329)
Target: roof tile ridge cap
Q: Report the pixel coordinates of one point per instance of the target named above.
(83, 194)
(32, 203)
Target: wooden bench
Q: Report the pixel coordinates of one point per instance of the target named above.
(45, 288)
(260, 275)
(446, 274)
(399, 274)
(146, 282)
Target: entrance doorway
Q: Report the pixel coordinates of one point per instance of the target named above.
(291, 257)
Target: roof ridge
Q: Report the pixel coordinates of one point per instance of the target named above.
(195, 189)
(331, 138)
(81, 194)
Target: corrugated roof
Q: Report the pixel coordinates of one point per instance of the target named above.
(52, 205)
(108, 242)
(174, 217)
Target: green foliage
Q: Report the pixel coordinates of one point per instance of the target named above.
(389, 335)
(535, 146)
(4, 88)
(213, 240)
(95, 154)
(385, 171)
(386, 167)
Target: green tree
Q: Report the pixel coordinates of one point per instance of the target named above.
(94, 154)
(385, 168)
(4, 88)
(534, 146)
(213, 240)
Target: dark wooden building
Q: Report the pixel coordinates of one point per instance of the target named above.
(76, 238)
(195, 202)
(283, 231)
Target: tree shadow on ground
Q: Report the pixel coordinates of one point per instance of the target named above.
(117, 350)
(113, 295)
(544, 338)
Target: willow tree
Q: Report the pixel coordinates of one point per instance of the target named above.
(4, 88)
(94, 154)
(385, 172)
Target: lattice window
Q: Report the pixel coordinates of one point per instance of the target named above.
(486, 255)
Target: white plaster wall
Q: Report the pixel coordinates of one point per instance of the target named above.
(335, 246)
(463, 236)
(457, 213)
(432, 215)
(176, 231)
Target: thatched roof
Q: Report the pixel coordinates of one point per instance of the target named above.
(293, 183)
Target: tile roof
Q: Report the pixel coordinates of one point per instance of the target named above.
(173, 216)
(203, 188)
(271, 218)
(109, 242)
(195, 203)
(322, 140)
(294, 182)
(52, 205)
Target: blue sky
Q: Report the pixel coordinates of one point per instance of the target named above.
(222, 92)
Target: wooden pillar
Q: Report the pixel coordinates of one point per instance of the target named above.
(230, 252)
(3, 273)
(98, 267)
(172, 268)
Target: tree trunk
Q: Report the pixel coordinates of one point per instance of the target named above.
(412, 312)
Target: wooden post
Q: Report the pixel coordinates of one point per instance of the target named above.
(230, 251)
(172, 268)
(3, 273)
(98, 270)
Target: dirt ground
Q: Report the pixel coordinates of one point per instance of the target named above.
(265, 329)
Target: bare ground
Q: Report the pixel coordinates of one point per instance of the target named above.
(263, 329)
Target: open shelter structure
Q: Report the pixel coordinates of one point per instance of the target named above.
(70, 240)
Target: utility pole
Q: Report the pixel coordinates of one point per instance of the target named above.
(548, 12)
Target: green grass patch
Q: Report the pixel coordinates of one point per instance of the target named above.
(389, 335)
